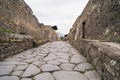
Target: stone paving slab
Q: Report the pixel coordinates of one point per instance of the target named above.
(26, 79)
(51, 61)
(31, 70)
(9, 78)
(44, 76)
(6, 70)
(84, 67)
(49, 67)
(92, 75)
(17, 73)
(69, 75)
(67, 66)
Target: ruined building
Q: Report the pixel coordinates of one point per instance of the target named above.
(20, 29)
(99, 20)
(99, 23)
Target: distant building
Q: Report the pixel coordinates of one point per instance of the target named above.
(55, 27)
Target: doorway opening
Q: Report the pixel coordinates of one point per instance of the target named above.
(83, 29)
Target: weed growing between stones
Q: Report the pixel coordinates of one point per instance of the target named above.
(102, 78)
(5, 30)
(81, 51)
(118, 40)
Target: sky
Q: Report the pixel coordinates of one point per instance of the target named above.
(62, 13)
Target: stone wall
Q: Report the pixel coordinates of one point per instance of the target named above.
(99, 20)
(48, 33)
(20, 29)
(17, 17)
(11, 44)
(105, 56)
(12, 48)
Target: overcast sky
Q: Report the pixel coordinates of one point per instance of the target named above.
(62, 13)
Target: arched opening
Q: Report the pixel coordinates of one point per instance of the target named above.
(83, 29)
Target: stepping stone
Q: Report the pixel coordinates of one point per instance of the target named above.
(84, 67)
(49, 67)
(5, 70)
(68, 75)
(78, 59)
(44, 76)
(31, 70)
(92, 75)
(26, 79)
(9, 78)
(67, 66)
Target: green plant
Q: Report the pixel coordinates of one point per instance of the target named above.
(62, 38)
(1, 44)
(118, 40)
(82, 52)
(5, 30)
(102, 78)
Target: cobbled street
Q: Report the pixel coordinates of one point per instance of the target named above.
(52, 61)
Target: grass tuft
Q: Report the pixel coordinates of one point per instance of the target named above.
(5, 30)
